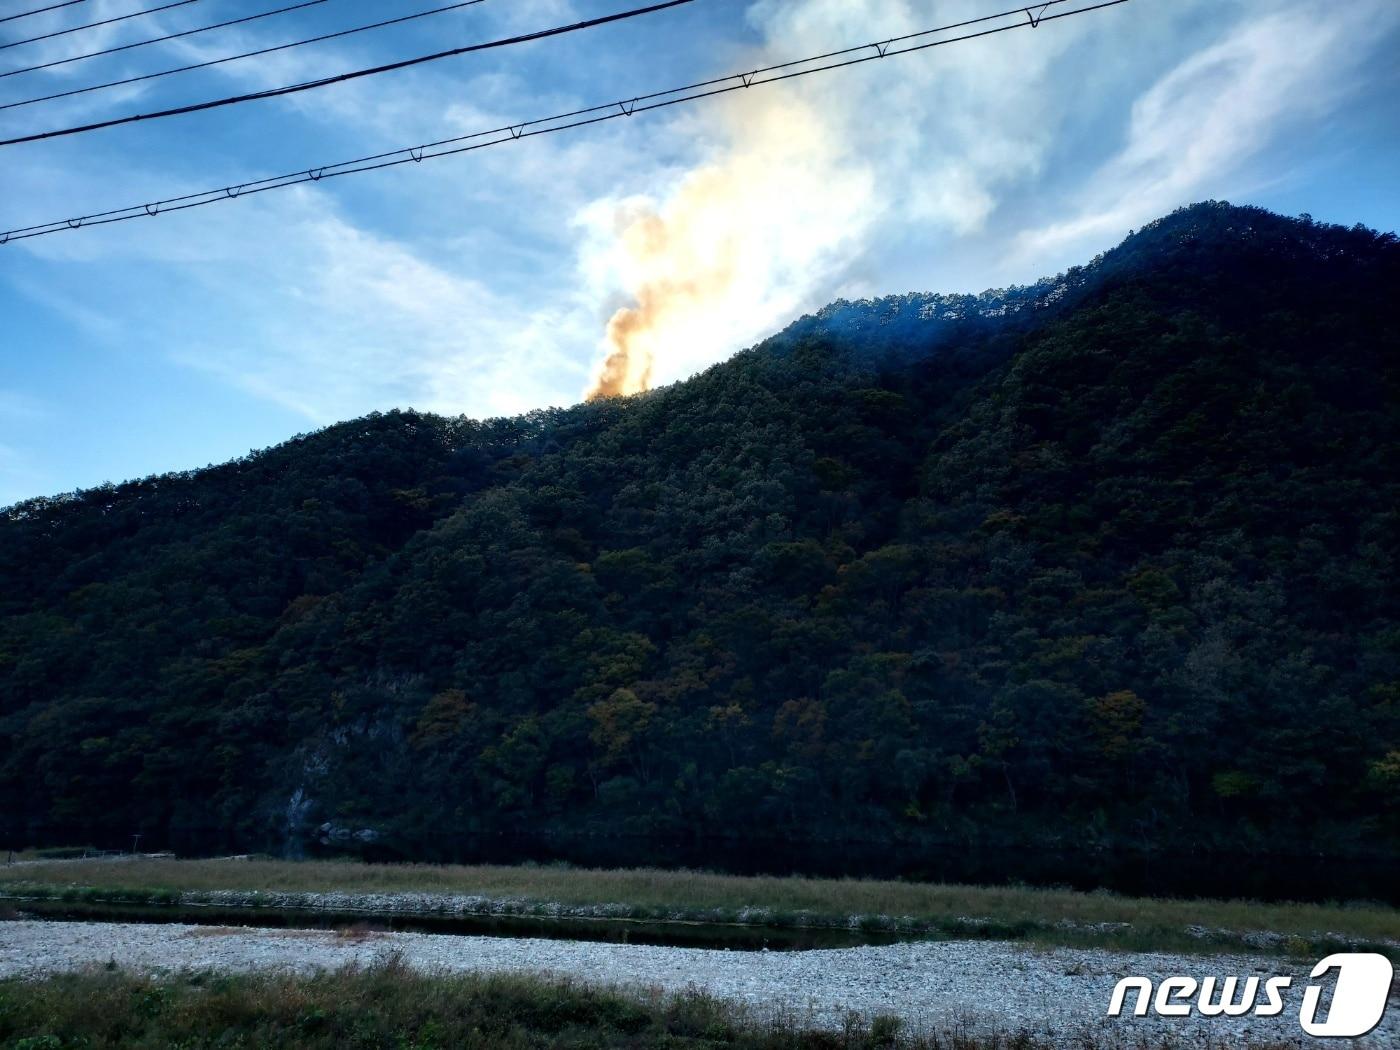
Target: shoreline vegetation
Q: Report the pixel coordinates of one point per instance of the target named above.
(1048, 917)
(390, 1004)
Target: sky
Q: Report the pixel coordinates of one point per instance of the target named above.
(631, 252)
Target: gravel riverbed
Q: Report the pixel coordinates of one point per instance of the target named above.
(930, 984)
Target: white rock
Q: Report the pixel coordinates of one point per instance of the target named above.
(930, 984)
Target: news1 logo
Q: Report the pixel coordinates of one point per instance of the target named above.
(1359, 996)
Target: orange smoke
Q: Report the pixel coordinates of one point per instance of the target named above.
(679, 270)
(734, 248)
(631, 359)
(627, 369)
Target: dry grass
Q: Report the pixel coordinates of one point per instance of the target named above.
(1002, 911)
(389, 1005)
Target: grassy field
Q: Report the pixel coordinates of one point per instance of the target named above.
(391, 1006)
(1039, 915)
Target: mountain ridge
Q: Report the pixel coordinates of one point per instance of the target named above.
(1085, 571)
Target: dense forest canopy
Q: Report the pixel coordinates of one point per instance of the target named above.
(1110, 559)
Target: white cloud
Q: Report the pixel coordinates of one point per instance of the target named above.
(1217, 109)
(300, 296)
(352, 322)
(85, 41)
(482, 284)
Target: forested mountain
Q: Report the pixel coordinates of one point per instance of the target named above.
(1107, 560)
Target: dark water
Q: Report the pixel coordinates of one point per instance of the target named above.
(619, 931)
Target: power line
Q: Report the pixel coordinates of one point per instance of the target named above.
(41, 10)
(1035, 17)
(198, 107)
(235, 58)
(160, 39)
(94, 25)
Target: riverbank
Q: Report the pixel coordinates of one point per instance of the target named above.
(1058, 918)
(988, 989)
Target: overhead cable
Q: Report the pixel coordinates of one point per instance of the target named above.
(160, 39)
(340, 78)
(41, 10)
(847, 57)
(94, 25)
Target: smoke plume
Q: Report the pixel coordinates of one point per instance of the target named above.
(735, 243)
(797, 180)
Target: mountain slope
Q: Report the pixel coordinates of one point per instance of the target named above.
(1105, 560)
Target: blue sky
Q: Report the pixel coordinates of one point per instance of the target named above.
(484, 284)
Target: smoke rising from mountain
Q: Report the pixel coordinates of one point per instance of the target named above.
(797, 180)
(739, 238)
